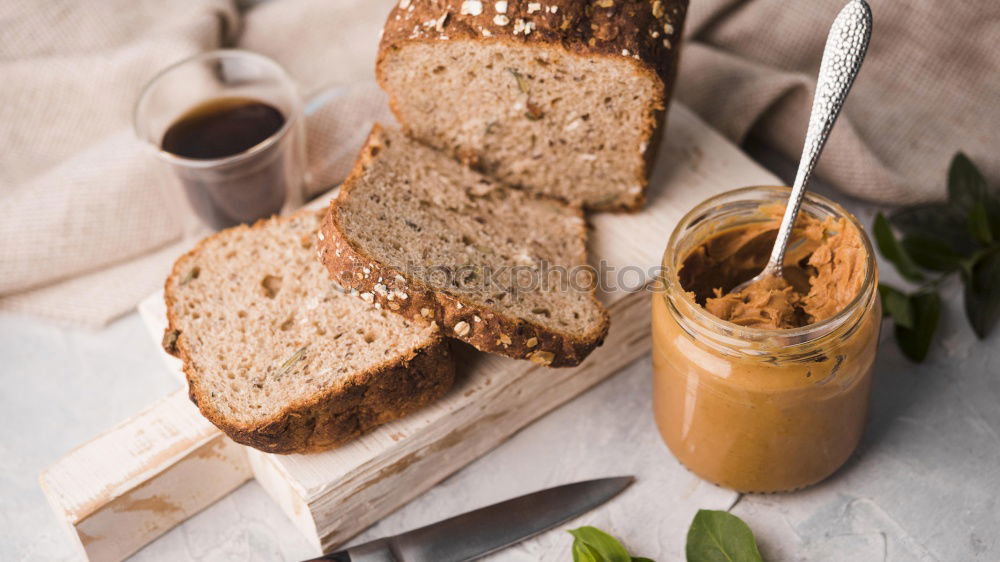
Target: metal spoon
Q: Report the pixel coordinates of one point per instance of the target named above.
(845, 49)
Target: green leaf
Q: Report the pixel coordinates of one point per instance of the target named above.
(966, 186)
(601, 545)
(942, 221)
(932, 254)
(896, 305)
(982, 293)
(717, 536)
(915, 341)
(979, 223)
(893, 250)
(583, 553)
(641, 559)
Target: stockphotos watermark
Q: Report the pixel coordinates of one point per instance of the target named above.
(512, 281)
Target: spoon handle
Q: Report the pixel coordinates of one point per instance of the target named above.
(845, 49)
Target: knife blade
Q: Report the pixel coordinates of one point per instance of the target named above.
(488, 529)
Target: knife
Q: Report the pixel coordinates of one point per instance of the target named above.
(488, 529)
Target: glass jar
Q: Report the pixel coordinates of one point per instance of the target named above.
(759, 410)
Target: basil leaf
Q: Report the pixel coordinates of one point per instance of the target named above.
(966, 186)
(717, 536)
(930, 253)
(993, 214)
(583, 553)
(942, 221)
(982, 293)
(915, 341)
(893, 250)
(601, 545)
(642, 559)
(896, 305)
(979, 223)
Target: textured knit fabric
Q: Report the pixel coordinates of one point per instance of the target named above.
(930, 86)
(84, 236)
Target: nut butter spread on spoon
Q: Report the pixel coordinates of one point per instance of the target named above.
(824, 270)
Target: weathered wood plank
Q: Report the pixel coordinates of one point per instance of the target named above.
(130, 485)
(494, 398)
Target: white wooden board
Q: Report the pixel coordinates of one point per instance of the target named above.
(133, 483)
(334, 495)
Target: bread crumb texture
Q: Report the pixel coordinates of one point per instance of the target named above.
(281, 358)
(496, 267)
(564, 98)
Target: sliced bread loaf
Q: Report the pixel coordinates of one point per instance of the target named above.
(278, 357)
(417, 233)
(563, 97)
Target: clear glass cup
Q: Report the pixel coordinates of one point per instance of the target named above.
(760, 410)
(214, 193)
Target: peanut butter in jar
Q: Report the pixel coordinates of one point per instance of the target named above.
(766, 390)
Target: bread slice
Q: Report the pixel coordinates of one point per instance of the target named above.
(561, 97)
(278, 357)
(417, 233)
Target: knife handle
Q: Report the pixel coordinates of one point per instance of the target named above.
(341, 556)
(379, 550)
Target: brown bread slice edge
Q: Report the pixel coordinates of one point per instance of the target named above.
(414, 232)
(280, 358)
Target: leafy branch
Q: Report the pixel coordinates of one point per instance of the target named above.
(936, 241)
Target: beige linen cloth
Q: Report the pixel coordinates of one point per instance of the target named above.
(83, 237)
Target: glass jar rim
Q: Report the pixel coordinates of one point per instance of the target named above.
(791, 337)
(263, 145)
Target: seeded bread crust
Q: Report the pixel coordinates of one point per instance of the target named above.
(480, 326)
(370, 398)
(645, 33)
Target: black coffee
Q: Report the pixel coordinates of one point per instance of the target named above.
(238, 192)
(222, 127)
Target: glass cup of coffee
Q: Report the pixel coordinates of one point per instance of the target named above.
(228, 126)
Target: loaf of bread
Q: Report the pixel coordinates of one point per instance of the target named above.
(414, 232)
(278, 357)
(561, 97)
